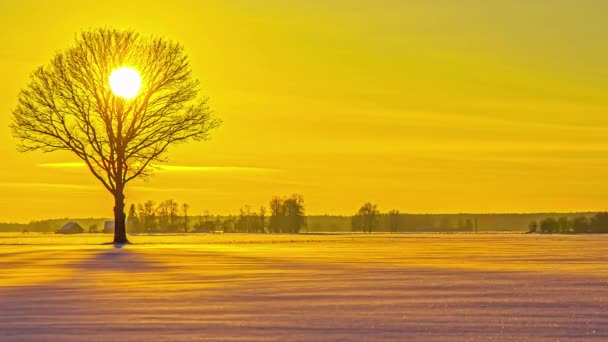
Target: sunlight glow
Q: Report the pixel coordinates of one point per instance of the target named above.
(125, 82)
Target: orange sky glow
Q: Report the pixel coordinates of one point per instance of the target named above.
(423, 106)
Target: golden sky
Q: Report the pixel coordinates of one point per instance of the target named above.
(424, 106)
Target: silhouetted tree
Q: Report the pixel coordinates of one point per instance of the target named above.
(549, 225)
(68, 106)
(295, 219)
(465, 224)
(93, 228)
(262, 219)
(393, 220)
(287, 215)
(599, 223)
(247, 221)
(132, 219)
(277, 215)
(228, 224)
(185, 208)
(564, 224)
(147, 215)
(468, 225)
(168, 212)
(580, 224)
(532, 227)
(366, 218)
(445, 223)
(210, 225)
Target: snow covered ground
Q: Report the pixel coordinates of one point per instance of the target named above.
(442, 287)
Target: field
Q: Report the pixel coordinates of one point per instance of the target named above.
(347, 287)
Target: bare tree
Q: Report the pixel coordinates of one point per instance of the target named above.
(276, 221)
(185, 208)
(262, 219)
(294, 212)
(167, 214)
(366, 218)
(132, 218)
(287, 214)
(147, 215)
(393, 220)
(68, 105)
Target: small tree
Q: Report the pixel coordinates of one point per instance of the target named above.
(245, 222)
(549, 225)
(162, 212)
(147, 215)
(564, 224)
(185, 208)
(262, 219)
(287, 215)
(599, 223)
(580, 224)
(366, 218)
(445, 223)
(532, 227)
(132, 218)
(68, 105)
(393, 220)
(93, 228)
(293, 208)
(276, 215)
(468, 225)
(168, 212)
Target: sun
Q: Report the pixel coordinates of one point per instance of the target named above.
(125, 82)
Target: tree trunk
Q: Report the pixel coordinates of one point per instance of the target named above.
(120, 231)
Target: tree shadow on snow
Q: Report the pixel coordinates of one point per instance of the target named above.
(121, 260)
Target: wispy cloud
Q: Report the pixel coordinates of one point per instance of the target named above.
(52, 186)
(70, 165)
(215, 169)
(166, 190)
(177, 168)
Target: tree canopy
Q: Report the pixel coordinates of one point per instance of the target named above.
(68, 105)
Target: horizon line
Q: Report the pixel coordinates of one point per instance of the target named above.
(340, 215)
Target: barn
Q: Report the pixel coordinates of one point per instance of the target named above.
(70, 228)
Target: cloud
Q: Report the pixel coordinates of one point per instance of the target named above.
(177, 168)
(164, 190)
(46, 186)
(216, 169)
(70, 165)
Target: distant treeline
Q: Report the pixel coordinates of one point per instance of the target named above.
(287, 215)
(50, 226)
(597, 223)
(250, 221)
(369, 219)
